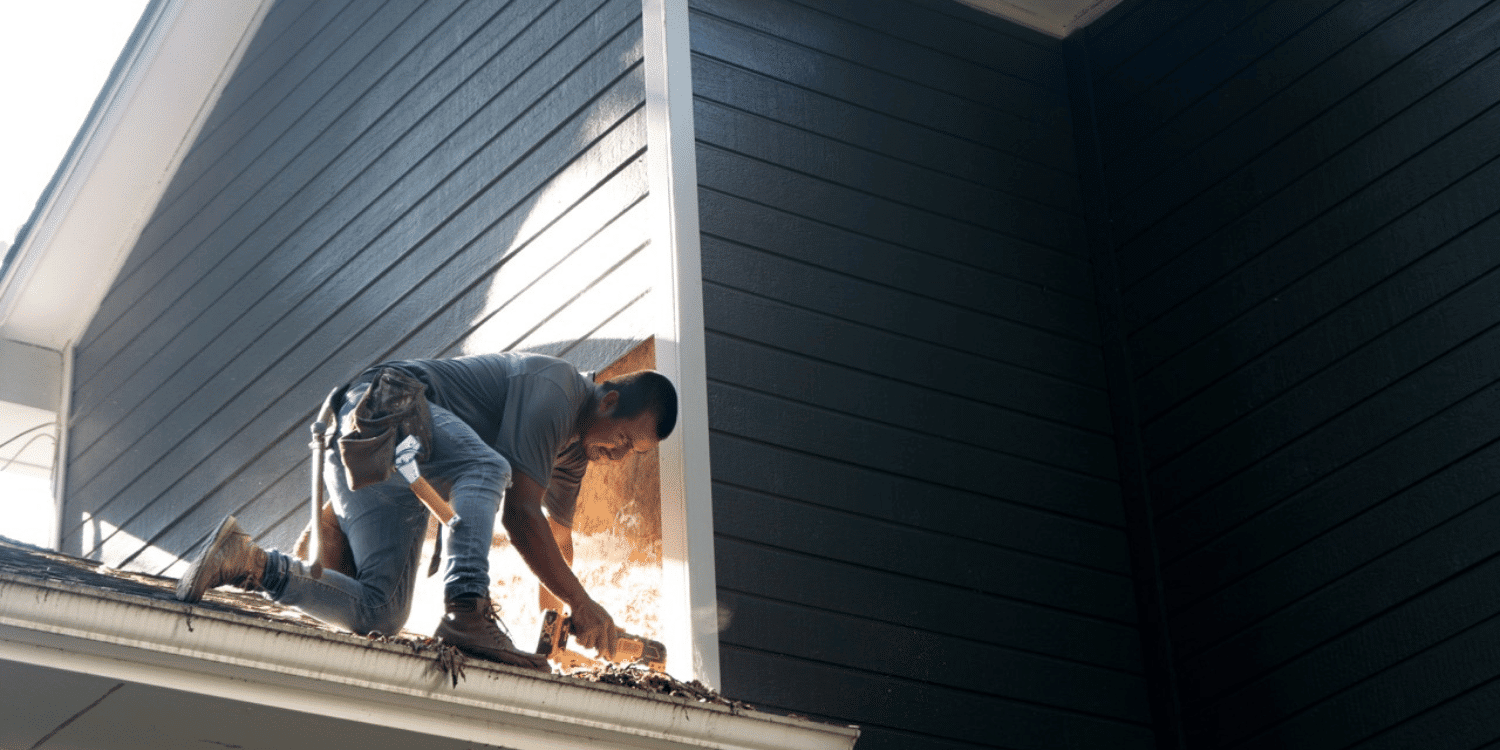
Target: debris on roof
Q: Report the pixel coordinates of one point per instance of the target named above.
(24, 560)
(641, 678)
(20, 559)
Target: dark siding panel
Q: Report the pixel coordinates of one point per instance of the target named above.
(918, 188)
(1171, 72)
(906, 382)
(1129, 28)
(933, 717)
(870, 492)
(1009, 130)
(848, 252)
(919, 654)
(438, 180)
(1394, 278)
(310, 31)
(1304, 211)
(895, 139)
(869, 397)
(936, 558)
(1255, 206)
(755, 180)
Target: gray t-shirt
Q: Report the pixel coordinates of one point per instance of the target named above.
(525, 406)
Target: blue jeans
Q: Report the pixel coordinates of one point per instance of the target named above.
(385, 524)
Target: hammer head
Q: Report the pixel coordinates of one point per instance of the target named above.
(406, 458)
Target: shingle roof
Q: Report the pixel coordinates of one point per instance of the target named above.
(61, 611)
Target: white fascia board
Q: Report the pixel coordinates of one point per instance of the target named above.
(689, 594)
(147, 116)
(178, 646)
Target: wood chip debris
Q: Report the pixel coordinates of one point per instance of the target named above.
(34, 562)
(450, 661)
(641, 678)
(446, 659)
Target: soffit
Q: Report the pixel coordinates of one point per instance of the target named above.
(145, 118)
(1057, 18)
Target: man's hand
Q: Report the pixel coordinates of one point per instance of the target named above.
(595, 629)
(532, 536)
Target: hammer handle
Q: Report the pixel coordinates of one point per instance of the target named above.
(433, 501)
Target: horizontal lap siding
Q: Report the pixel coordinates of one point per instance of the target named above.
(1303, 208)
(919, 524)
(379, 180)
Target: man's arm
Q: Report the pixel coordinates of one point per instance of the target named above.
(564, 538)
(530, 532)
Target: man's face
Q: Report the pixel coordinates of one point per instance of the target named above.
(611, 439)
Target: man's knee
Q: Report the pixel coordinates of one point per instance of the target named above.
(490, 474)
(383, 620)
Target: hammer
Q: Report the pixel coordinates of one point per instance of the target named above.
(406, 463)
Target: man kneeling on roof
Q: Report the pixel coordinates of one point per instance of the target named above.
(510, 434)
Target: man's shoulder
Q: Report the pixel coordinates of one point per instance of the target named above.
(499, 364)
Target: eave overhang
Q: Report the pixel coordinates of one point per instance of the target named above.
(149, 112)
(69, 626)
(1057, 18)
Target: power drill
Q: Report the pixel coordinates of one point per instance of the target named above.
(553, 644)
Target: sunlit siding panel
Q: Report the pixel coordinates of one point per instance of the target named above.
(379, 180)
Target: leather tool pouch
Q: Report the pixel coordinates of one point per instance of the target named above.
(394, 406)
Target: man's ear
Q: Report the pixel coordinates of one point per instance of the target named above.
(607, 404)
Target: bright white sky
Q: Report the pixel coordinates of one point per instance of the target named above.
(54, 57)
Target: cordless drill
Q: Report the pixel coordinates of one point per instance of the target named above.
(553, 644)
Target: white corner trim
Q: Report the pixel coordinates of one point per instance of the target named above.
(148, 115)
(178, 646)
(60, 446)
(690, 600)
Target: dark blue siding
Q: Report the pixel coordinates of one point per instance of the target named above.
(919, 522)
(378, 180)
(1301, 204)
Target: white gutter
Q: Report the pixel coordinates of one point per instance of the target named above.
(68, 626)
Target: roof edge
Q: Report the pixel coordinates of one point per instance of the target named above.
(169, 644)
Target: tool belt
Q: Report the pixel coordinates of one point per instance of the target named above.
(394, 406)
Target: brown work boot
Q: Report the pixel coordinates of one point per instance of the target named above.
(230, 559)
(471, 624)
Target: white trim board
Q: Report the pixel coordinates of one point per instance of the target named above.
(690, 600)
